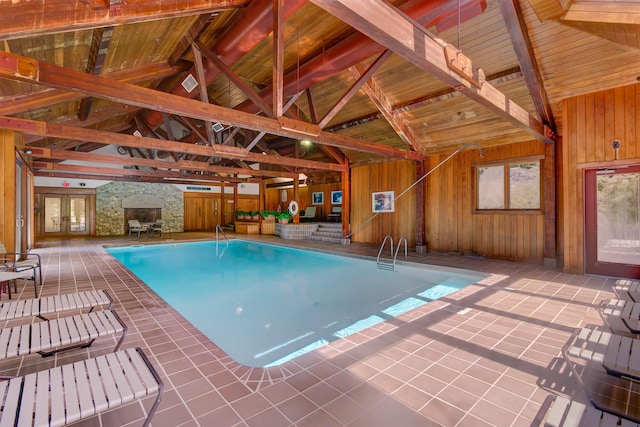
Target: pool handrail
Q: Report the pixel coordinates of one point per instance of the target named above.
(386, 265)
(398, 249)
(391, 264)
(218, 227)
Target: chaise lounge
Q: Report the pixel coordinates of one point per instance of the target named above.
(68, 393)
(557, 411)
(309, 214)
(52, 336)
(39, 307)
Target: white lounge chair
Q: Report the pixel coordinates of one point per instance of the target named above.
(557, 411)
(39, 307)
(68, 393)
(621, 315)
(619, 355)
(627, 289)
(52, 336)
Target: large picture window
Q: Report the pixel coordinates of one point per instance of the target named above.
(509, 185)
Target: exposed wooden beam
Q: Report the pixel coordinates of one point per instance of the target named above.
(361, 79)
(235, 79)
(98, 170)
(97, 116)
(59, 131)
(607, 12)
(204, 95)
(512, 14)
(278, 57)
(389, 27)
(191, 35)
(10, 106)
(380, 99)
(99, 48)
(423, 101)
(23, 19)
(45, 153)
(31, 71)
(193, 180)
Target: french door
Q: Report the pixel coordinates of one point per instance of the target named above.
(612, 221)
(65, 215)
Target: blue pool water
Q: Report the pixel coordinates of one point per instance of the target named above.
(264, 305)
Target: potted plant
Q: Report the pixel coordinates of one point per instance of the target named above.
(269, 215)
(240, 214)
(284, 217)
(255, 215)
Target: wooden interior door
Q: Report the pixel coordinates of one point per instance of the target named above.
(202, 212)
(612, 221)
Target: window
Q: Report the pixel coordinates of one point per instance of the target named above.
(513, 185)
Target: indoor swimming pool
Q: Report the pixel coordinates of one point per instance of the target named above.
(265, 304)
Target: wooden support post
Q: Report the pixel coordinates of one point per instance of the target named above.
(549, 188)
(346, 205)
(421, 246)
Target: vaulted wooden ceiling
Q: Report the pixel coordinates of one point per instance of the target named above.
(115, 89)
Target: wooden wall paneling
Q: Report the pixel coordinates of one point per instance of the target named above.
(362, 184)
(614, 116)
(588, 135)
(599, 126)
(550, 205)
(432, 201)
(248, 202)
(609, 126)
(619, 125)
(452, 225)
(574, 202)
(580, 128)
(628, 150)
(394, 176)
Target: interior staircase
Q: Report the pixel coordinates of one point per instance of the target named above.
(328, 232)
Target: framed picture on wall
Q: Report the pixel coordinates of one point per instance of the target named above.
(317, 198)
(336, 197)
(382, 201)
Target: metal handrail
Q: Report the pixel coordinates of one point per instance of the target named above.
(388, 236)
(398, 249)
(219, 227)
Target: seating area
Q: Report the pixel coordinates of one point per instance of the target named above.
(148, 228)
(335, 214)
(593, 349)
(309, 214)
(70, 392)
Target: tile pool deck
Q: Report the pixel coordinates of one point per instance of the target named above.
(486, 355)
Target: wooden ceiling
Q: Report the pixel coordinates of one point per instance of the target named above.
(360, 79)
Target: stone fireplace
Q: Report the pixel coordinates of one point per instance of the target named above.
(143, 207)
(148, 201)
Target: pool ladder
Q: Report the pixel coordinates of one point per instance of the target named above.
(390, 264)
(218, 227)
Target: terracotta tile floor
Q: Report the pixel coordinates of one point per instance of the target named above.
(486, 355)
